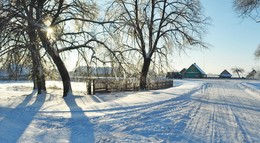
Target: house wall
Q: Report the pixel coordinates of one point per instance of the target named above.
(193, 75)
(193, 72)
(224, 76)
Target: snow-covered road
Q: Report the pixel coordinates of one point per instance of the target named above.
(223, 111)
(218, 111)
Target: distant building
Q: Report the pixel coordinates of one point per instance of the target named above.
(194, 71)
(252, 74)
(225, 74)
(172, 75)
(183, 71)
(15, 72)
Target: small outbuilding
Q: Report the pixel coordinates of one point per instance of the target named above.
(183, 71)
(194, 71)
(251, 75)
(176, 75)
(225, 74)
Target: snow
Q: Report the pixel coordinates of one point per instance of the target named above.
(191, 111)
(201, 71)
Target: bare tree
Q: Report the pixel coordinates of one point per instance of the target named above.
(145, 28)
(257, 52)
(249, 8)
(238, 71)
(67, 20)
(15, 63)
(17, 32)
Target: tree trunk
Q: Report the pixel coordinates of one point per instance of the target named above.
(34, 80)
(238, 74)
(37, 74)
(42, 81)
(144, 73)
(58, 62)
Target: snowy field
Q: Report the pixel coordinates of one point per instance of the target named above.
(225, 111)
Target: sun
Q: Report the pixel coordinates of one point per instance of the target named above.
(50, 32)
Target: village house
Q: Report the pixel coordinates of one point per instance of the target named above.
(251, 75)
(225, 74)
(194, 71)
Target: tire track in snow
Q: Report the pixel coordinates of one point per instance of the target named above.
(172, 114)
(247, 118)
(215, 120)
(240, 126)
(228, 115)
(216, 112)
(198, 126)
(233, 129)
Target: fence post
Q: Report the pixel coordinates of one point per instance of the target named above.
(148, 84)
(133, 82)
(90, 87)
(88, 84)
(125, 85)
(106, 87)
(93, 87)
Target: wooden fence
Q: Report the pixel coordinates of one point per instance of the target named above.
(106, 85)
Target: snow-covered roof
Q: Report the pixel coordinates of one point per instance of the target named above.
(225, 73)
(201, 71)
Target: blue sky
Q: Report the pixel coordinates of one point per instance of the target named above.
(233, 41)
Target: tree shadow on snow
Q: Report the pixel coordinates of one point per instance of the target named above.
(81, 130)
(19, 118)
(137, 122)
